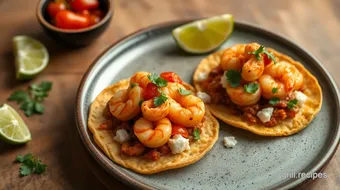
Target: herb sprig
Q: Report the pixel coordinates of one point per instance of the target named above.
(184, 92)
(251, 87)
(196, 134)
(292, 103)
(157, 80)
(234, 78)
(30, 165)
(263, 50)
(31, 101)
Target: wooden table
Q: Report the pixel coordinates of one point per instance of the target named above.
(313, 24)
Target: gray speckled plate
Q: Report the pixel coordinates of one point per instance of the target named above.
(256, 162)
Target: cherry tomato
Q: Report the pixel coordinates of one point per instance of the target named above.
(69, 20)
(94, 19)
(53, 8)
(150, 91)
(98, 13)
(171, 77)
(177, 129)
(266, 60)
(80, 5)
(85, 12)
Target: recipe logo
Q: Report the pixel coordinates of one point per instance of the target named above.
(303, 175)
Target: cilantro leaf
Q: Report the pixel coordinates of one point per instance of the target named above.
(196, 134)
(39, 108)
(159, 81)
(30, 101)
(234, 78)
(30, 164)
(275, 90)
(274, 101)
(261, 49)
(251, 87)
(19, 158)
(159, 100)
(25, 170)
(140, 103)
(184, 92)
(133, 85)
(19, 96)
(40, 168)
(292, 103)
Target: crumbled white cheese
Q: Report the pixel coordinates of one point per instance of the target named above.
(178, 144)
(204, 97)
(301, 97)
(223, 80)
(121, 136)
(265, 114)
(202, 77)
(229, 142)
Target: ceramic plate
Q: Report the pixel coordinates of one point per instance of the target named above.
(256, 162)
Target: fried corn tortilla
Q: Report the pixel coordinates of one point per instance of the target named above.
(286, 127)
(104, 138)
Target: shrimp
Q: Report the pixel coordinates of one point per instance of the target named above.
(151, 136)
(252, 69)
(242, 98)
(233, 58)
(188, 111)
(238, 58)
(141, 78)
(171, 90)
(154, 113)
(282, 76)
(124, 104)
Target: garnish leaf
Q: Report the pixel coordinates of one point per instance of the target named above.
(19, 96)
(159, 100)
(274, 101)
(30, 101)
(140, 103)
(292, 103)
(251, 87)
(184, 92)
(275, 90)
(133, 85)
(260, 50)
(159, 81)
(234, 78)
(30, 164)
(196, 134)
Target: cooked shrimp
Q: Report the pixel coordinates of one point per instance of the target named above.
(242, 98)
(151, 136)
(124, 104)
(171, 90)
(132, 149)
(141, 78)
(283, 76)
(250, 48)
(233, 58)
(187, 110)
(252, 69)
(152, 113)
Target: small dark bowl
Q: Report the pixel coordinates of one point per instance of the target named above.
(74, 37)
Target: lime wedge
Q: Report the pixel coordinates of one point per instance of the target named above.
(205, 35)
(12, 128)
(31, 57)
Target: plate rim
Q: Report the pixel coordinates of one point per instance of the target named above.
(106, 163)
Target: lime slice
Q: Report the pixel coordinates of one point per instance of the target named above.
(12, 128)
(31, 57)
(205, 35)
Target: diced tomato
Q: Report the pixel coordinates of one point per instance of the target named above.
(266, 60)
(94, 19)
(80, 5)
(54, 7)
(69, 20)
(150, 91)
(177, 129)
(98, 13)
(85, 13)
(171, 77)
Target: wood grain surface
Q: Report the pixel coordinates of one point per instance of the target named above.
(313, 24)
